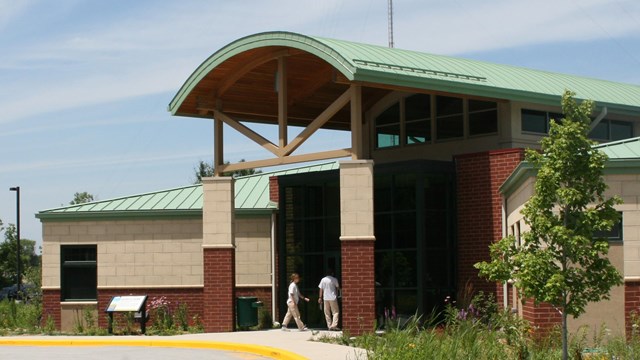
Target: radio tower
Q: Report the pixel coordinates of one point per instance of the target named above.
(390, 20)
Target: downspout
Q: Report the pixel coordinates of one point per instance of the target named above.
(504, 234)
(273, 266)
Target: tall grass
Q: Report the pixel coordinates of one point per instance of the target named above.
(481, 331)
(19, 317)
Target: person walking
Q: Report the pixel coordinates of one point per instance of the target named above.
(329, 288)
(294, 296)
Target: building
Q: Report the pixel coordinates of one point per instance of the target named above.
(423, 194)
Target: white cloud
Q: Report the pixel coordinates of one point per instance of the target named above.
(153, 50)
(467, 26)
(39, 96)
(10, 10)
(104, 161)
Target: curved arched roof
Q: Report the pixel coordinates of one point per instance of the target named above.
(269, 39)
(376, 65)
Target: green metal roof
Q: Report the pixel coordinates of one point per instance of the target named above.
(624, 158)
(391, 66)
(251, 196)
(622, 149)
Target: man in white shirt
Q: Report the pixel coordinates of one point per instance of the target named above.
(329, 288)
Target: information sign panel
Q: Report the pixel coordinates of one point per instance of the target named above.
(136, 304)
(126, 303)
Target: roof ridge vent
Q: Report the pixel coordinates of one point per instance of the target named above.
(420, 71)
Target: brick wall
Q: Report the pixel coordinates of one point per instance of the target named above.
(193, 297)
(262, 293)
(479, 206)
(543, 317)
(358, 297)
(219, 312)
(274, 190)
(51, 307)
(631, 303)
(174, 296)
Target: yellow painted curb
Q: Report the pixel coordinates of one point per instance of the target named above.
(267, 351)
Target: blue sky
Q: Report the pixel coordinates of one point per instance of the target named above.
(84, 84)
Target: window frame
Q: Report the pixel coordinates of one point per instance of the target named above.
(66, 263)
(617, 228)
(552, 115)
(430, 123)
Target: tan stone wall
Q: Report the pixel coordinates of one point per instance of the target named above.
(516, 202)
(253, 251)
(609, 313)
(624, 255)
(356, 199)
(628, 188)
(218, 211)
(73, 314)
(130, 253)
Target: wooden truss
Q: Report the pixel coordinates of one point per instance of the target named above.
(283, 150)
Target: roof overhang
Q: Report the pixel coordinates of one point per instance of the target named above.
(240, 78)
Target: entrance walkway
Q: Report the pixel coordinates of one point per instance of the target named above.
(269, 344)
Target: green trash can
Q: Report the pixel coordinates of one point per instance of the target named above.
(247, 311)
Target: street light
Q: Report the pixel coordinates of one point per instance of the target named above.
(19, 278)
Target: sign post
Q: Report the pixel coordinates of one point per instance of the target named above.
(137, 304)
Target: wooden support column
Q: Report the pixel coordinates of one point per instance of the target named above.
(282, 100)
(357, 148)
(218, 147)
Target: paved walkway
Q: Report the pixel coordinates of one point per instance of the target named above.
(274, 344)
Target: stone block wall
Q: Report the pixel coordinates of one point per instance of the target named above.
(130, 252)
(253, 251)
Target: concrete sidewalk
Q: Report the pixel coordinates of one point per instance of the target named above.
(276, 344)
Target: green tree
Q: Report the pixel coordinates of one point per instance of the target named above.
(560, 261)
(81, 198)
(205, 169)
(8, 258)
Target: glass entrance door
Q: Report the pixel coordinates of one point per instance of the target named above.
(309, 236)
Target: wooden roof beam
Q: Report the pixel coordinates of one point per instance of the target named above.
(317, 123)
(268, 145)
(239, 71)
(322, 78)
(323, 155)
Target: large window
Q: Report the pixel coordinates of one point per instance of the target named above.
(410, 120)
(309, 233)
(414, 249)
(78, 272)
(483, 117)
(534, 121)
(615, 234)
(388, 127)
(611, 130)
(418, 119)
(449, 117)
(538, 121)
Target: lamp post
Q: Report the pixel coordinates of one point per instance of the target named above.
(19, 278)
